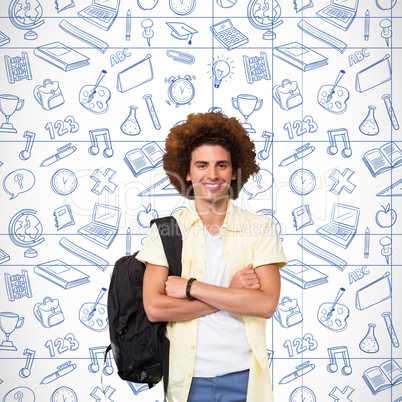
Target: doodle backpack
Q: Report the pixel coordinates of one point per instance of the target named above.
(140, 347)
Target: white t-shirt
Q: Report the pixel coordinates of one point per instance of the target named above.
(222, 346)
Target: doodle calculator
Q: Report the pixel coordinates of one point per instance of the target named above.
(228, 35)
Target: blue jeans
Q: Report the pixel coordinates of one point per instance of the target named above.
(226, 388)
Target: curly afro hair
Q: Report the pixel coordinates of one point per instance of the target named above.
(208, 129)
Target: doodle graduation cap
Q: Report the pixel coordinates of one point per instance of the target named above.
(181, 31)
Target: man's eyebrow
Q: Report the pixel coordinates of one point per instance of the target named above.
(217, 162)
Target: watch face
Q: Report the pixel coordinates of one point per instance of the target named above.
(302, 182)
(182, 7)
(64, 182)
(181, 91)
(64, 394)
(302, 394)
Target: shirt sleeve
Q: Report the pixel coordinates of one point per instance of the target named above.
(269, 248)
(153, 251)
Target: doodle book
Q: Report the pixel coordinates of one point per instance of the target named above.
(386, 375)
(302, 275)
(140, 160)
(300, 56)
(380, 160)
(61, 274)
(61, 56)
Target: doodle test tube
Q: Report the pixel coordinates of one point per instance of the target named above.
(390, 328)
(391, 113)
(151, 110)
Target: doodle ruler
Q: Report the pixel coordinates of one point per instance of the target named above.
(394, 190)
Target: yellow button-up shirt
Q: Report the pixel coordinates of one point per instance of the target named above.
(246, 238)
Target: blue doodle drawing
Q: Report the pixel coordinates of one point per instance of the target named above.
(104, 226)
(369, 343)
(182, 7)
(61, 5)
(130, 126)
(302, 275)
(260, 183)
(18, 285)
(332, 367)
(94, 367)
(101, 13)
(298, 345)
(147, 33)
(288, 312)
(333, 147)
(299, 371)
(256, 68)
(373, 293)
(4, 257)
(386, 217)
(151, 110)
(384, 376)
(49, 94)
(9, 104)
(144, 159)
(300, 153)
(343, 225)
(48, 312)
(339, 14)
(180, 57)
(147, 4)
(21, 393)
(181, 91)
(137, 388)
(182, 31)
(287, 95)
(18, 182)
(382, 159)
(341, 396)
(137, 74)
(302, 394)
(104, 134)
(266, 16)
(26, 17)
(100, 395)
(246, 104)
(227, 35)
(64, 393)
(9, 323)
(103, 181)
(302, 182)
(61, 371)
(61, 153)
(302, 217)
(390, 110)
(26, 371)
(26, 153)
(342, 181)
(145, 216)
(63, 181)
(369, 125)
(376, 74)
(94, 315)
(95, 98)
(63, 217)
(334, 315)
(220, 70)
(394, 190)
(300, 5)
(25, 230)
(61, 274)
(333, 98)
(390, 328)
(18, 68)
(264, 153)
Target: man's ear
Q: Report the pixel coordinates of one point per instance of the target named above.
(188, 178)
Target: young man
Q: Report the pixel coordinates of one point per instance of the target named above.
(230, 284)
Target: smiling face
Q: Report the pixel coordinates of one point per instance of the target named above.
(210, 173)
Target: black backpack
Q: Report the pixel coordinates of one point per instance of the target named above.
(140, 347)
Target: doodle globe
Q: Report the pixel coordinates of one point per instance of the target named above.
(27, 229)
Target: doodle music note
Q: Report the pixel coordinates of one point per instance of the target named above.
(26, 371)
(333, 148)
(94, 366)
(94, 148)
(333, 366)
(26, 153)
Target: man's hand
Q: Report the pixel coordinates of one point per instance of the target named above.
(175, 286)
(245, 278)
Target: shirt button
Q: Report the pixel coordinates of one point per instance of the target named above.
(192, 346)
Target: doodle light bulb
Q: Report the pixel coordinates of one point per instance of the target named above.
(220, 69)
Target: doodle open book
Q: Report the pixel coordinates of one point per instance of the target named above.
(386, 375)
(61, 274)
(380, 160)
(302, 275)
(140, 160)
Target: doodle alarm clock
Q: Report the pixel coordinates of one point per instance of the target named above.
(302, 182)
(64, 182)
(181, 91)
(182, 7)
(64, 394)
(302, 394)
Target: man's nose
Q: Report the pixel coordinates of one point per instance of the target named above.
(212, 173)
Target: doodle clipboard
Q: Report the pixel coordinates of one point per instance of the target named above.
(374, 75)
(135, 75)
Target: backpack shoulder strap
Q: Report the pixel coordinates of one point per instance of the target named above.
(172, 241)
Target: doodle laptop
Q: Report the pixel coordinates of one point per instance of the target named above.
(340, 13)
(343, 225)
(101, 13)
(104, 226)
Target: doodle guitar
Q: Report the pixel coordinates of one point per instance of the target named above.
(334, 315)
(333, 97)
(94, 315)
(94, 97)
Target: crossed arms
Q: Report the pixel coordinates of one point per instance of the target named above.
(252, 292)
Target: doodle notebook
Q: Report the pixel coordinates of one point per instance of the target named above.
(300, 56)
(61, 274)
(302, 275)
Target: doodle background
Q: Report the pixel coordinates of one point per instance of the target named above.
(304, 340)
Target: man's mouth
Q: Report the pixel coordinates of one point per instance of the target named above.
(212, 186)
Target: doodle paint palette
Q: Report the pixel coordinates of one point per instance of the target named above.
(337, 321)
(337, 104)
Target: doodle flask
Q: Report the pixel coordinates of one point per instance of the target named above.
(130, 125)
(369, 343)
(369, 125)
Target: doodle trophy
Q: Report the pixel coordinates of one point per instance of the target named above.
(9, 104)
(9, 322)
(246, 105)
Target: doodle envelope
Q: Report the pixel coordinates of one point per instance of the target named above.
(135, 75)
(375, 292)
(374, 75)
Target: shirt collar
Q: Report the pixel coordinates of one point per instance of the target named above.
(230, 224)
